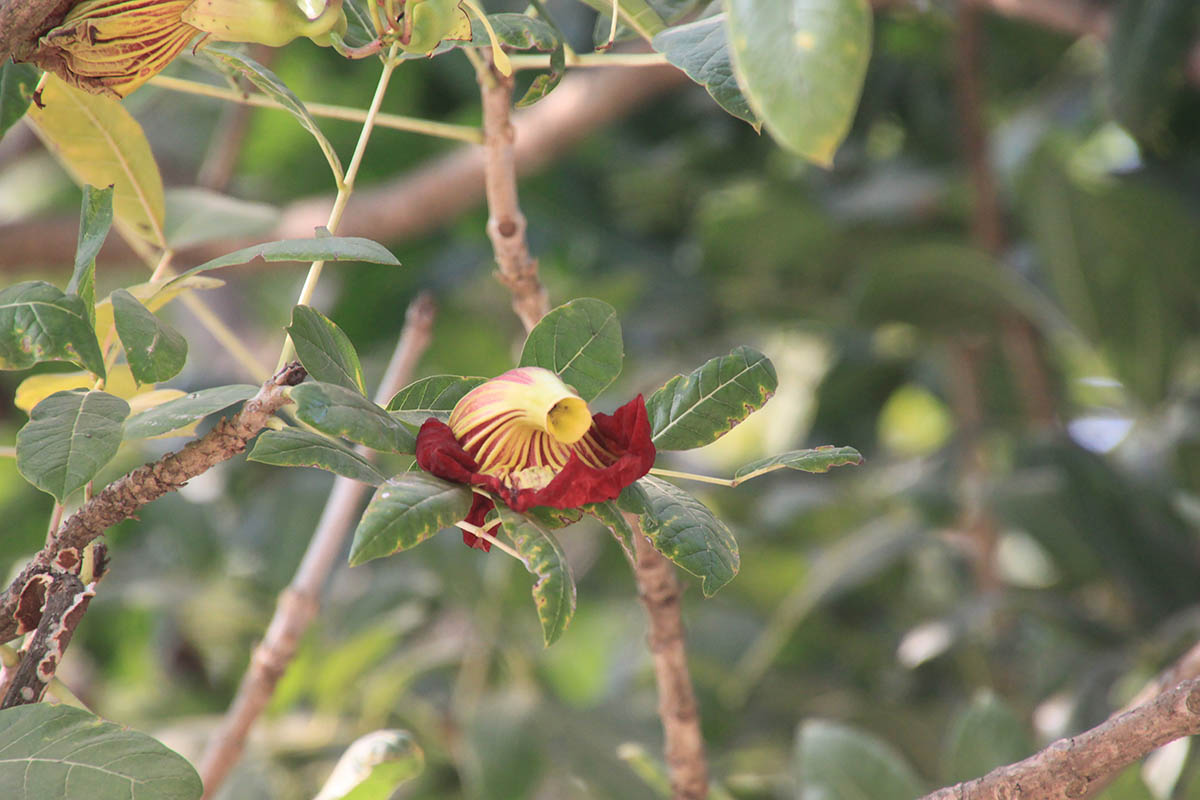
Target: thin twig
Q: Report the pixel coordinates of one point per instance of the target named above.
(122, 498)
(506, 224)
(1070, 768)
(299, 603)
(660, 593)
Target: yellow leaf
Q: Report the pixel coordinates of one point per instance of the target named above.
(152, 398)
(99, 143)
(37, 388)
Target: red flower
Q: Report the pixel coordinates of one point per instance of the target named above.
(528, 439)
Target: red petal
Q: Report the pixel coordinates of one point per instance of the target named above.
(477, 516)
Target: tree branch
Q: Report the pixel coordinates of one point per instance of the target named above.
(1071, 767)
(660, 593)
(506, 224)
(66, 601)
(122, 498)
(298, 604)
(23, 21)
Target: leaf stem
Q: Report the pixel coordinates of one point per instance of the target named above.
(487, 537)
(573, 59)
(443, 130)
(691, 476)
(227, 338)
(345, 189)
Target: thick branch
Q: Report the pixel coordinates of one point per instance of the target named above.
(299, 603)
(1069, 768)
(121, 499)
(660, 593)
(66, 601)
(23, 21)
(506, 224)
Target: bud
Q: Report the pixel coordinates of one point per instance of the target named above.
(270, 22)
(112, 47)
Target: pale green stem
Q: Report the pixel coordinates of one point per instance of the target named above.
(345, 188)
(542, 61)
(55, 520)
(443, 130)
(487, 537)
(670, 473)
(163, 266)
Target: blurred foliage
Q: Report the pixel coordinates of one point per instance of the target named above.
(858, 600)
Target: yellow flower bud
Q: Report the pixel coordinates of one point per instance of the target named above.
(270, 22)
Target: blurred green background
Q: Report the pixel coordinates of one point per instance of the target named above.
(861, 598)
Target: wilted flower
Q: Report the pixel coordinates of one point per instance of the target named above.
(529, 439)
(114, 46)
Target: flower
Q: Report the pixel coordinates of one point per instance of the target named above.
(528, 439)
(112, 47)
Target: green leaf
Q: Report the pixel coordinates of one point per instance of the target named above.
(39, 323)
(801, 65)
(637, 14)
(321, 248)
(338, 411)
(17, 82)
(70, 436)
(101, 144)
(185, 410)
(610, 516)
(835, 761)
(196, 216)
(554, 518)
(701, 49)
(818, 459)
(1147, 52)
(528, 33)
(554, 589)
(65, 753)
(986, 735)
(324, 350)
(374, 766)
(95, 220)
(231, 56)
(296, 448)
(434, 396)
(406, 511)
(581, 342)
(697, 409)
(156, 352)
(684, 530)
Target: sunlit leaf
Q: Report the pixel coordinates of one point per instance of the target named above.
(374, 766)
(39, 323)
(155, 351)
(94, 221)
(17, 82)
(406, 511)
(321, 248)
(835, 761)
(817, 459)
(296, 448)
(56, 751)
(434, 396)
(684, 530)
(176, 414)
(801, 65)
(697, 409)
(70, 436)
(581, 342)
(153, 296)
(540, 552)
(701, 49)
(100, 144)
(324, 350)
(338, 411)
(231, 56)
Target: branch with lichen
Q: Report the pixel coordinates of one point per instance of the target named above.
(121, 499)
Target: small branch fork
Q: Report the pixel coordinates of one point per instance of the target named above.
(121, 499)
(299, 603)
